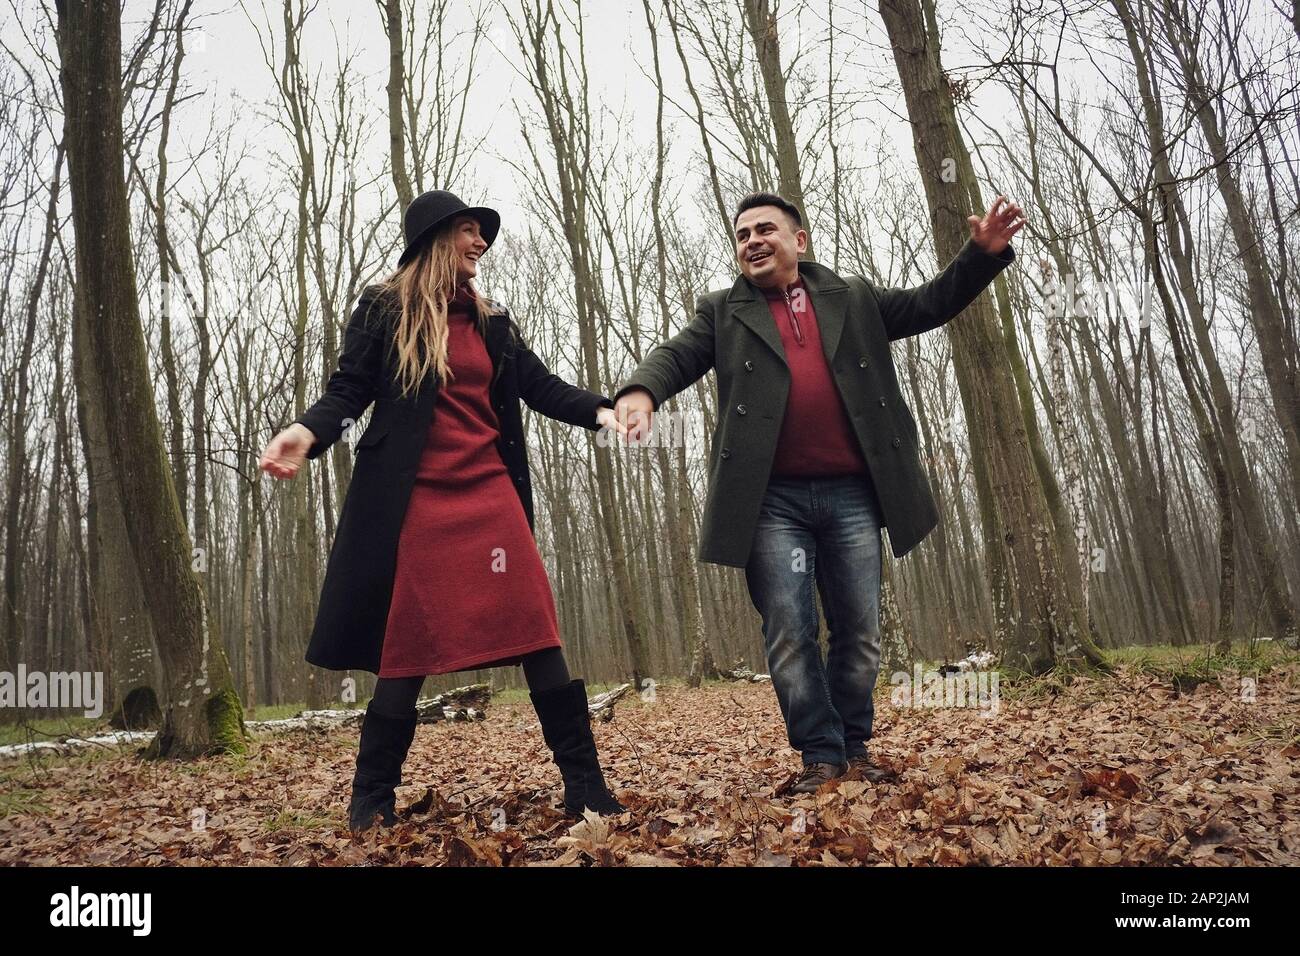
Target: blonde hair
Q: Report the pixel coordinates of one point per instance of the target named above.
(423, 286)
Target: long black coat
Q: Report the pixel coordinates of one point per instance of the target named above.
(733, 332)
(353, 611)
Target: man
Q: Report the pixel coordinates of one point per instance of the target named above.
(814, 451)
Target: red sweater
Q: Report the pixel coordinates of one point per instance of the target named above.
(816, 438)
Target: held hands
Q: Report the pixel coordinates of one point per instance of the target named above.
(993, 233)
(634, 411)
(608, 418)
(286, 452)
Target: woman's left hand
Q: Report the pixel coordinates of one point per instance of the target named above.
(606, 418)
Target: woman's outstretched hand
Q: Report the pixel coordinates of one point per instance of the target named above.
(608, 418)
(286, 452)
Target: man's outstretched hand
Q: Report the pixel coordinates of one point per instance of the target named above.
(993, 233)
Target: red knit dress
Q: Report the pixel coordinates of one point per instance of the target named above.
(470, 590)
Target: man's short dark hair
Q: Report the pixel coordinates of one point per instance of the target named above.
(768, 199)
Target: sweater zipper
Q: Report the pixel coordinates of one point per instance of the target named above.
(794, 323)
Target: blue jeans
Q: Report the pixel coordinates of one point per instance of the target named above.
(824, 531)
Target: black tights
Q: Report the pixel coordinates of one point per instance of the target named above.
(396, 696)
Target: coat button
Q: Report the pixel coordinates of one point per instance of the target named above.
(726, 453)
(862, 363)
(510, 442)
(521, 477)
(882, 401)
(895, 443)
(749, 366)
(740, 409)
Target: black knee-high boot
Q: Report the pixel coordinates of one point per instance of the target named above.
(566, 727)
(384, 742)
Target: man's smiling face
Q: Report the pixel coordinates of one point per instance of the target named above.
(768, 244)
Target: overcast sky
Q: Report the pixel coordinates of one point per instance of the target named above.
(225, 66)
(226, 62)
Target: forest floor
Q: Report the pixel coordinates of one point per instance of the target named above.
(1189, 762)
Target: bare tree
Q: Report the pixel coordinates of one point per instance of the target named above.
(202, 710)
(1038, 624)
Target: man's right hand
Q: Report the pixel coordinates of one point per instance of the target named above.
(635, 410)
(287, 451)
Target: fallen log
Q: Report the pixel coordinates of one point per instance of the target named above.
(462, 703)
(601, 707)
(66, 745)
(742, 673)
(976, 660)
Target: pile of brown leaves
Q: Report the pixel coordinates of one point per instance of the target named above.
(1120, 770)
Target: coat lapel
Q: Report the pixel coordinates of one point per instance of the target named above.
(498, 331)
(750, 307)
(830, 297)
(829, 301)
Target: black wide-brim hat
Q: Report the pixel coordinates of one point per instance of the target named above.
(430, 210)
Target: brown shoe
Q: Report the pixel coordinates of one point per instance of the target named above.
(815, 775)
(862, 766)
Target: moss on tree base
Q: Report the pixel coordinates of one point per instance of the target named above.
(226, 732)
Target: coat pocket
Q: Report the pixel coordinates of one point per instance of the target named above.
(375, 433)
(911, 424)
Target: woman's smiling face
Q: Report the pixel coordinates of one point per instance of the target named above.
(469, 244)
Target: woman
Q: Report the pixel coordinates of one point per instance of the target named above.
(434, 568)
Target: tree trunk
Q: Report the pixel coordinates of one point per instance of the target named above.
(396, 84)
(1038, 625)
(201, 709)
(760, 20)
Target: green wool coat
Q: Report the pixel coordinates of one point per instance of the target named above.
(733, 333)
